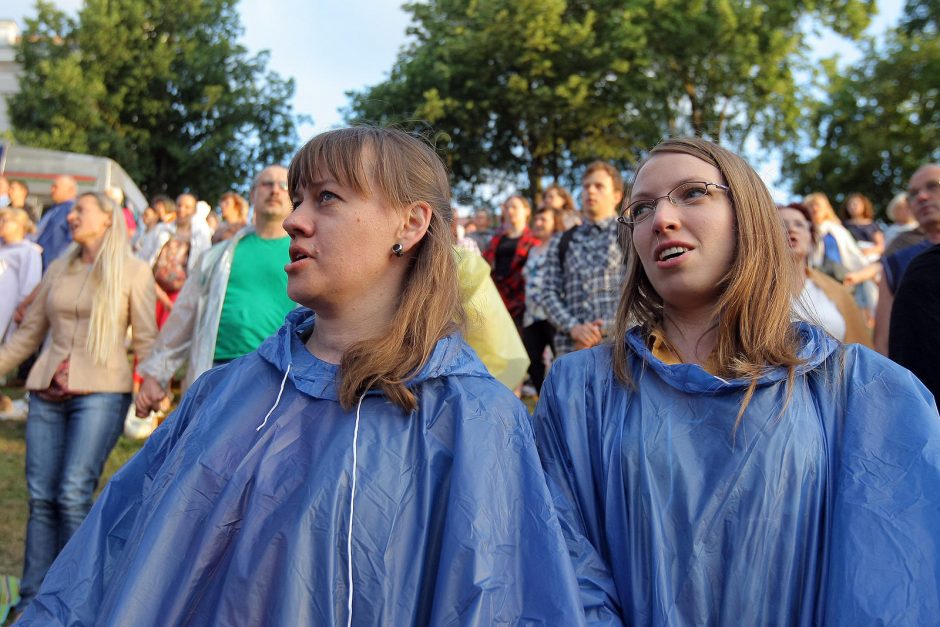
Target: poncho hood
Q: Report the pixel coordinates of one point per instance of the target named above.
(320, 379)
(815, 348)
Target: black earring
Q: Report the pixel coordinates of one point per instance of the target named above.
(398, 249)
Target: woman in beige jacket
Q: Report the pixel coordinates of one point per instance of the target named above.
(80, 387)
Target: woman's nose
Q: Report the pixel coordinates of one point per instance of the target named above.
(297, 224)
(666, 216)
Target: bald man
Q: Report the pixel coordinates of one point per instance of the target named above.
(52, 232)
(923, 196)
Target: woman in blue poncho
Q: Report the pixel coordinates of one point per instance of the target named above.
(728, 465)
(361, 467)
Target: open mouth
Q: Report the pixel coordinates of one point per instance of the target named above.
(296, 253)
(672, 253)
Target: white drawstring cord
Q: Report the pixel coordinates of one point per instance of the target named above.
(352, 508)
(278, 400)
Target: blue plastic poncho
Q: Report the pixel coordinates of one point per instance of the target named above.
(216, 521)
(828, 514)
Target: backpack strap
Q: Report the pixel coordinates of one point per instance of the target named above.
(563, 246)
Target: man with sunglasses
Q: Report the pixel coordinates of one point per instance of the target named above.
(236, 297)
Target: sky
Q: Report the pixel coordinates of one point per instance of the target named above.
(330, 48)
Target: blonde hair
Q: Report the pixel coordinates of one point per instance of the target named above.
(752, 315)
(828, 213)
(107, 273)
(400, 169)
(20, 217)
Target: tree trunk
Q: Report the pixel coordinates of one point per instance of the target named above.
(536, 170)
(696, 112)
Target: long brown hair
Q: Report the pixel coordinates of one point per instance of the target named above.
(565, 194)
(753, 313)
(400, 169)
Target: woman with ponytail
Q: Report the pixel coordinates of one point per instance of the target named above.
(80, 386)
(360, 468)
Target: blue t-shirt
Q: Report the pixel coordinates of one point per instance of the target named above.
(831, 249)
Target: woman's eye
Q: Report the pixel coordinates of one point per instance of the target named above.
(642, 209)
(326, 195)
(692, 192)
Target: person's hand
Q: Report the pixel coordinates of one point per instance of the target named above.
(851, 279)
(149, 397)
(20, 312)
(587, 334)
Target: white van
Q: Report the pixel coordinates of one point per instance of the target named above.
(38, 167)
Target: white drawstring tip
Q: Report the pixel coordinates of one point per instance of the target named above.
(278, 400)
(352, 507)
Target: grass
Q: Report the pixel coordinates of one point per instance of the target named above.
(13, 496)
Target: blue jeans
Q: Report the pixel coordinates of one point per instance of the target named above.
(67, 445)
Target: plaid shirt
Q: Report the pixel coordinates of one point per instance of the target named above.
(588, 287)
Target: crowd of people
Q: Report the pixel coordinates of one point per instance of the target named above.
(714, 439)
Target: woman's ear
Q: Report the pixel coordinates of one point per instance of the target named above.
(416, 220)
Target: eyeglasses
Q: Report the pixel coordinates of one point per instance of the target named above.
(270, 184)
(931, 187)
(801, 225)
(682, 195)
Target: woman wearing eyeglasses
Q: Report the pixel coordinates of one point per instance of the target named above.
(820, 298)
(727, 465)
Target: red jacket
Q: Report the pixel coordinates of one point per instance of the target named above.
(512, 286)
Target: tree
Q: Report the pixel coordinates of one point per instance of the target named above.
(161, 87)
(881, 119)
(542, 87)
(507, 85)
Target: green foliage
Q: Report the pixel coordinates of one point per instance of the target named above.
(506, 84)
(543, 87)
(881, 119)
(162, 87)
(921, 17)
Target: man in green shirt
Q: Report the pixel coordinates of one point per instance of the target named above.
(236, 297)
